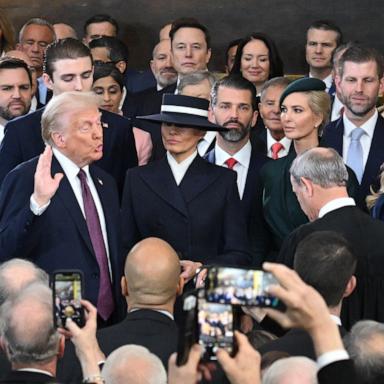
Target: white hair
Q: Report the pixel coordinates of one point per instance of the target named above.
(133, 364)
(298, 370)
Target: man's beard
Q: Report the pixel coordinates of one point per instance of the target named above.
(235, 135)
(358, 110)
(164, 81)
(6, 114)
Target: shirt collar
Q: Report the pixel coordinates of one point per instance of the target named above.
(243, 156)
(35, 370)
(327, 80)
(368, 126)
(284, 141)
(70, 169)
(183, 165)
(166, 313)
(336, 319)
(336, 204)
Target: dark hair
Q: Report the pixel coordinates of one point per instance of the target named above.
(276, 66)
(118, 51)
(360, 54)
(7, 41)
(235, 82)
(327, 25)
(105, 70)
(13, 63)
(325, 261)
(69, 48)
(189, 22)
(101, 18)
(258, 337)
(231, 44)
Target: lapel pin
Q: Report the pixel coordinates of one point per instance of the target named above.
(100, 181)
(105, 125)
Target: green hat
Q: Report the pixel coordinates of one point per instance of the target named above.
(303, 85)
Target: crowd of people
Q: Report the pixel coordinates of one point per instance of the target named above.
(141, 180)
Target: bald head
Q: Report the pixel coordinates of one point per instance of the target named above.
(152, 273)
(63, 31)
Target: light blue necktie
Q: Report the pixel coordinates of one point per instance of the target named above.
(355, 153)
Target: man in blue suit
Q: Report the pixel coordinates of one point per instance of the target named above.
(59, 210)
(68, 67)
(358, 135)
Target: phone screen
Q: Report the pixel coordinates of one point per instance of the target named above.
(239, 287)
(67, 291)
(215, 324)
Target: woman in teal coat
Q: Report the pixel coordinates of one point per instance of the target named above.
(305, 109)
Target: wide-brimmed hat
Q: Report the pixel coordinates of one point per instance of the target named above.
(185, 111)
(303, 85)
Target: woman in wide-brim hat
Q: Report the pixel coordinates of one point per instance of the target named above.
(182, 199)
(305, 109)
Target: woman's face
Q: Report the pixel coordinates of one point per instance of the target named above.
(110, 93)
(255, 62)
(297, 118)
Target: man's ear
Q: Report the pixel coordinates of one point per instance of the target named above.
(209, 53)
(308, 185)
(211, 115)
(152, 65)
(254, 118)
(124, 286)
(58, 139)
(48, 81)
(121, 66)
(351, 285)
(180, 286)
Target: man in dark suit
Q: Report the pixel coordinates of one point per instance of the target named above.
(358, 135)
(233, 107)
(150, 285)
(68, 67)
(318, 178)
(32, 343)
(324, 261)
(63, 213)
(272, 141)
(186, 201)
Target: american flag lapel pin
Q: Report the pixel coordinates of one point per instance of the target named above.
(100, 181)
(105, 125)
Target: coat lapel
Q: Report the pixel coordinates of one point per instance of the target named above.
(68, 198)
(160, 179)
(197, 178)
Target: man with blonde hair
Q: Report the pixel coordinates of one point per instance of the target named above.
(52, 207)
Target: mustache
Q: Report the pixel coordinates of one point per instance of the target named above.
(233, 121)
(168, 69)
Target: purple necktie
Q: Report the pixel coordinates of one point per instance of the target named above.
(105, 303)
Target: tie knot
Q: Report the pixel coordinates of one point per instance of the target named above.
(231, 162)
(357, 133)
(82, 175)
(276, 148)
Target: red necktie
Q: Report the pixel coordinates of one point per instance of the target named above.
(105, 303)
(231, 162)
(276, 148)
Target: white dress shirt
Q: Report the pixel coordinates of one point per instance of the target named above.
(284, 141)
(336, 204)
(205, 142)
(328, 81)
(243, 158)
(336, 108)
(179, 169)
(71, 171)
(33, 106)
(42, 90)
(2, 127)
(366, 138)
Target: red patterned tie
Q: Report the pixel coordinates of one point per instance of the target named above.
(105, 303)
(276, 148)
(231, 162)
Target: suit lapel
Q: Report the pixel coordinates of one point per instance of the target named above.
(335, 138)
(197, 178)
(376, 153)
(68, 198)
(160, 179)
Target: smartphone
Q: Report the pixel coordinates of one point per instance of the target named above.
(238, 286)
(211, 325)
(67, 288)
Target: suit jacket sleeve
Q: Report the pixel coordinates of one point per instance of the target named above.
(18, 230)
(339, 372)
